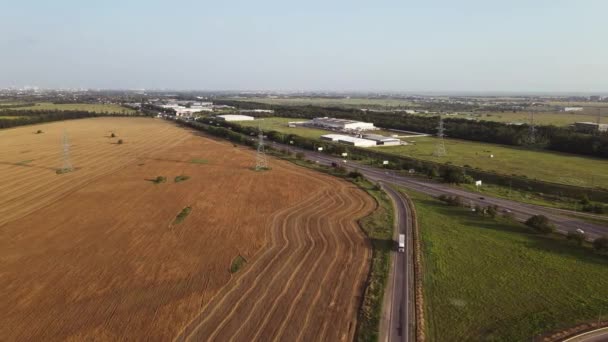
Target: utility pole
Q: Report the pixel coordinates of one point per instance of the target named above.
(440, 146)
(260, 157)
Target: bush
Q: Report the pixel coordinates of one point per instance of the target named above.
(39, 131)
(594, 208)
(492, 210)
(119, 142)
(355, 175)
(601, 244)
(455, 201)
(576, 237)
(541, 224)
(112, 135)
(300, 155)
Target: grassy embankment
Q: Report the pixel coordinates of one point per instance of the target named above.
(492, 279)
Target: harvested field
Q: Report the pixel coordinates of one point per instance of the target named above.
(93, 254)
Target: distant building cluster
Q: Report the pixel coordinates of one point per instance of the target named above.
(573, 109)
(341, 124)
(367, 140)
(189, 108)
(234, 117)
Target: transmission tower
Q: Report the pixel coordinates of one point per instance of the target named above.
(532, 133)
(67, 164)
(440, 146)
(260, 158)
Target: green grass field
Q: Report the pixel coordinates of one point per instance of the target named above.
(97, 108)
(492, 280)
(544, 165)
(10, 117)
(509, 160)
(280, 125)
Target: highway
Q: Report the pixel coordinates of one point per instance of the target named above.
(398, 310)
(520, 211)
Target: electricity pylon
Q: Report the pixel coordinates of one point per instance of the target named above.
(260, 157)
(532, 132)
(440, 146)
(67, 164)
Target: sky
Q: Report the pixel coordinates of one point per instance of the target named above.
(282, 45)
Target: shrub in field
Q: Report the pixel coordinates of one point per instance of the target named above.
(159, 179)
(355, 175)
(455, 201)
(39, 131)
(541, 224)
(113, 135)
(119, 142)
(576, 237)
(300, 155)
(601, 244)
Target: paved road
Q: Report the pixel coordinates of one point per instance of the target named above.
(599, 335)
(520, 211)
(398, 311)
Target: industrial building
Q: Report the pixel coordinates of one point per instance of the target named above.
(345, 139)
(382, 140)
(573, 109)
(590, 127)
(234, 117)
(341, 124)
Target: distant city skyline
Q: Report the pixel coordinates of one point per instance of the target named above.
(441, 47)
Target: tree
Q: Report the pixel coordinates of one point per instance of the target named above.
(492, 210)
(541, 224)
(454, 175)
(601, 244)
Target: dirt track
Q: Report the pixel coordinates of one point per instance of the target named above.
(105, 261)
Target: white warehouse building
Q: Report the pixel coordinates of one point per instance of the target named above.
(382, 140)
(233, 117)
(342, 124)
(345, 139)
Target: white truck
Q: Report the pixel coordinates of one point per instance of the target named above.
(401, 243)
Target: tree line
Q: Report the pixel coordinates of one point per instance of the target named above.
(29, 117)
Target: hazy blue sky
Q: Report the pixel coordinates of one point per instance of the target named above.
(476, 45)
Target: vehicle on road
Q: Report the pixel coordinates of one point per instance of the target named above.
(401, 243)
(482, 198)
(580, 231)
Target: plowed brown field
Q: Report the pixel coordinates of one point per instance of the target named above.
(95, 254)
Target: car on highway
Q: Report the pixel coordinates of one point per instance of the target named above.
(580, 231)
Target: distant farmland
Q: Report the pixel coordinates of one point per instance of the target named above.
(328, 102)
(99, 254)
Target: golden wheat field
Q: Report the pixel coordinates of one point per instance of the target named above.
(98, 254)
